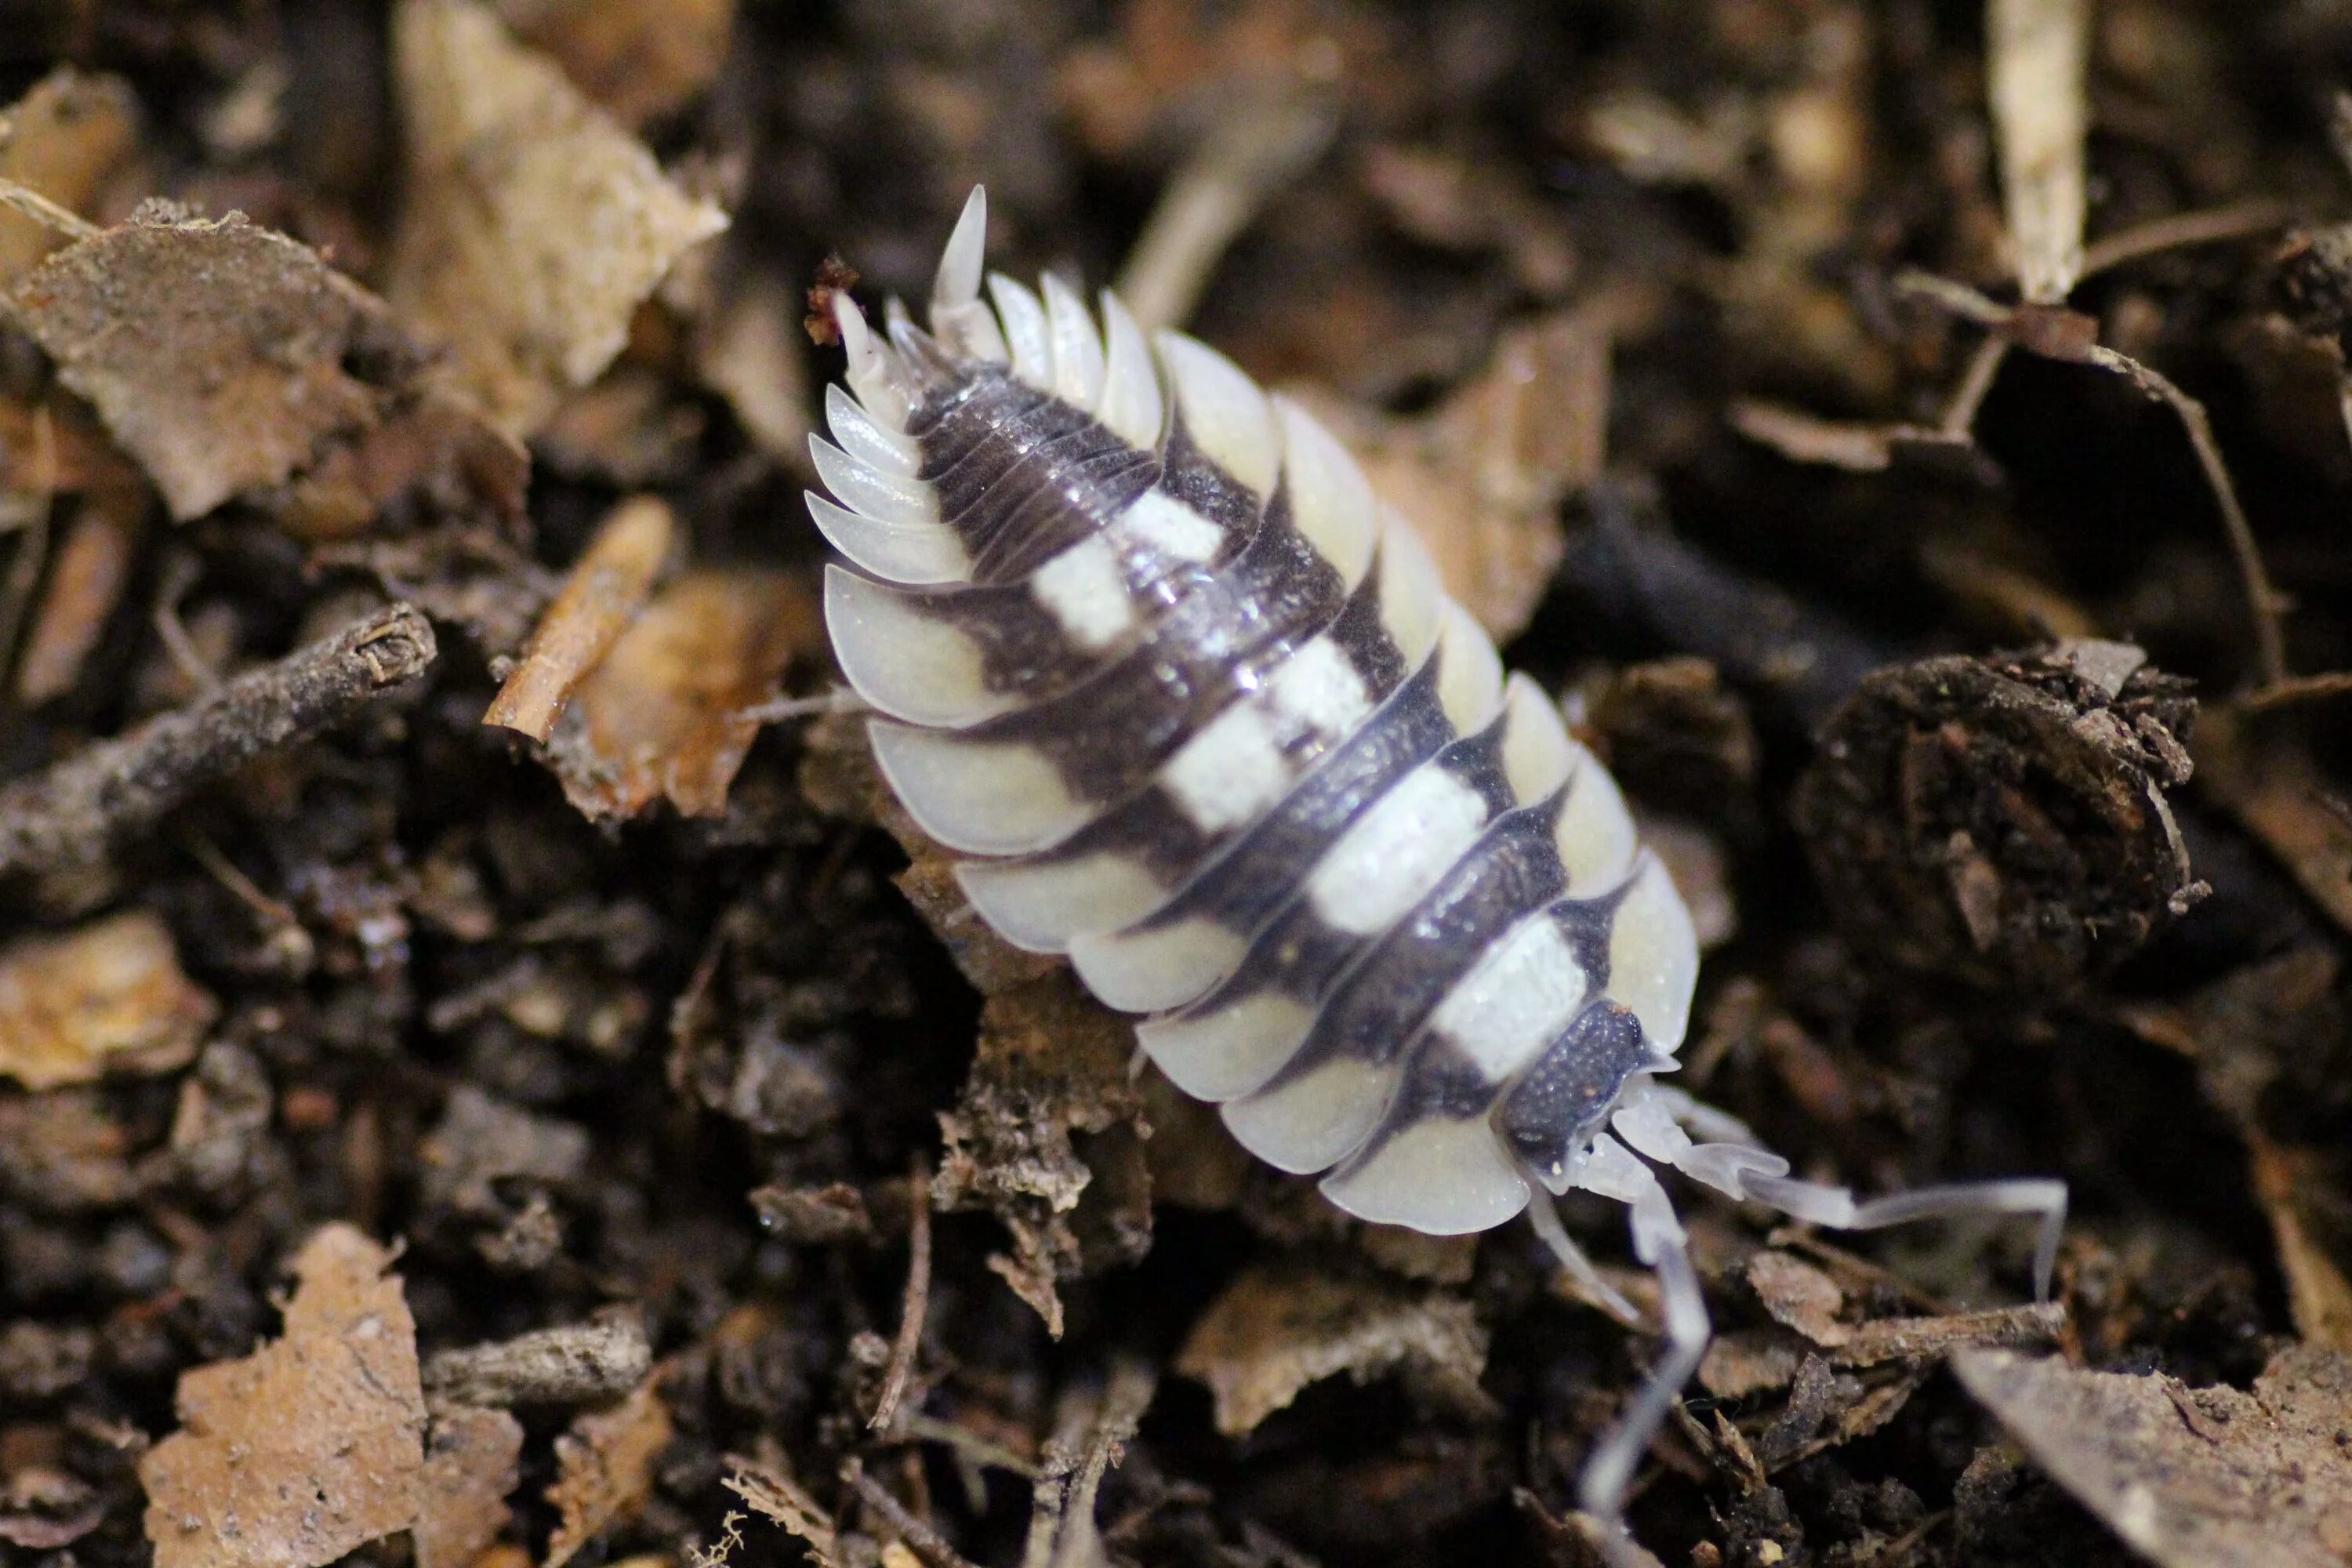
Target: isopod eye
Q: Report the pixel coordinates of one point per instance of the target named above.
(1565, 1099)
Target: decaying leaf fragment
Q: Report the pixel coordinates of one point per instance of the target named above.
(606, 1468)
(469, 1468)
(670, 711)
(65, 139)
(311, 1446)
(1278, 1330)
(1482, 476)
(219, 353)
(108, 997)
(1051, 1069)
(534, 226)
(606, 587)
(2192, 1478)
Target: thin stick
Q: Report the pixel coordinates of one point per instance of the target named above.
(918, 1301)
(925, 1542)
(2240, 220)
(65, 815)
(45, 212)
(2054, 335)
(2298, 689)
(1975, 385)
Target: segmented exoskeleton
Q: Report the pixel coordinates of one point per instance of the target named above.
(1150, 650)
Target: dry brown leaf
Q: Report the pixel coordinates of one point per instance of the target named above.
(534, 226)
(86, 582)
(1278, 1330)
(639, 58)
(109, 997)
(604, 1468)
(670, 711)
(1051, 1068)
(2303, 1192)
(607, 588)
(1482, 476)
(309, 1447)
(63, 139)
(469, 1469)
(2192, 1478)
(219, 353)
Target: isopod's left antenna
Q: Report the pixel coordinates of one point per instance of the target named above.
(1819, 1203)
(1660, 1242)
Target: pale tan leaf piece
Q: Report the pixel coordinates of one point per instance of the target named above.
(1275, 1331)
(219, 353)
(605, 591)
(313, 1444)
(604, 1468)
(65, 139)
(108, 997)
(672, 709)
(2191, 1477)
(532, 226)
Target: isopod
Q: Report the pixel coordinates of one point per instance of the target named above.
(1144, 646)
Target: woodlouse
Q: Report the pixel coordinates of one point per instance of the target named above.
(1146, 645)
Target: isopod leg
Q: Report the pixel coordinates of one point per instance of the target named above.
(1659, 1242)
(1819, 1203)
(1545, 1219)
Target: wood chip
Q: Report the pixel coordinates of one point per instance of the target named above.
(2041, 116)
(534, 226)
(310, 1446)
(604, 1468)
(1275, 1331)
(2192, 1478)
(607, 588)
(777, 1497)
(109, 997)
(93, 567)
(670, 711)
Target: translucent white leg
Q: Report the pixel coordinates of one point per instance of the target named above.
(1819, 1203)
(1658, 1241)
(1545, 1219)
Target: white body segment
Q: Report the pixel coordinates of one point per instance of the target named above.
(1144, 639)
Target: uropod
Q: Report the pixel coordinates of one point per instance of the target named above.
(1147, 649)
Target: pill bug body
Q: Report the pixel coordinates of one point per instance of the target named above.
(1144, 645)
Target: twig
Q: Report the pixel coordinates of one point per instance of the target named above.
(2061, 334)
(925, 1542)
(2239, 221)
(45, 212)
(65, 815)
(2297, 688)
(1215, 195)
(918, 1301)
(1968, 398)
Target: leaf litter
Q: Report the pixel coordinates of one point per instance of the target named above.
(1619, 319)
